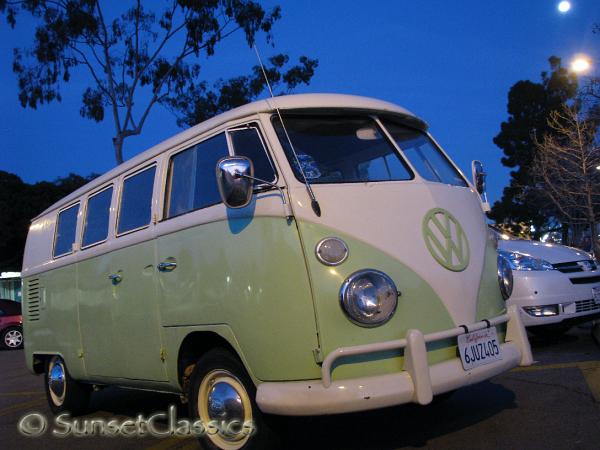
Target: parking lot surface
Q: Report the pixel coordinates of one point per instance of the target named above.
(554, 404)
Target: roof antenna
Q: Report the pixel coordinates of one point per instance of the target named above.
(313, 200)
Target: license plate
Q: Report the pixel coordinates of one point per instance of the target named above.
(478, 348)
(596, 295)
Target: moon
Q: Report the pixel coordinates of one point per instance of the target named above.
(564, 6)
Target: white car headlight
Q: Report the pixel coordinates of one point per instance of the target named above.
(518, 261)
(369, 298)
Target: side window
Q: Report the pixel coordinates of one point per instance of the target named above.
(192, 181)
(424, 155)
(65, 231)
(247, 142)
(96, 218)
(135, 210)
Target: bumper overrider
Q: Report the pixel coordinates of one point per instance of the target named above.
(416, 383)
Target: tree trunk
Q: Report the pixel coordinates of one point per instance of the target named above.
(118, 145)
(565, 234)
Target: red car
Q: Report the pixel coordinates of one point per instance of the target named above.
(11, 324)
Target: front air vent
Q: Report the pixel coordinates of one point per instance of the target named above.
(33, 299)
(576, 266)
(586, 305)
(586, 280)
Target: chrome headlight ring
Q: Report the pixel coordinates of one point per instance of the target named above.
(369, 298)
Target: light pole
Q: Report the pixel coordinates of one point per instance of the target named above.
(581, 64)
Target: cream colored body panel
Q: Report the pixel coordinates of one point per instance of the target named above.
(393, 224)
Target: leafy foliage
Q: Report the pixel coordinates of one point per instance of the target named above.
(201, 103)
(143, 50)
(530, 105)
(19, 203)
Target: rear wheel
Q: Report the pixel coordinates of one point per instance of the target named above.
(12, 338)
(63, 392)
(222, 396)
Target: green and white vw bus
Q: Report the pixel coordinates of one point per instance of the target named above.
(303, 255)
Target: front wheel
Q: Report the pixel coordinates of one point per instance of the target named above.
(222, 397)
(12, 338)
(64, 394)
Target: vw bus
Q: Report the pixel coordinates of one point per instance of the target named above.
(302, 255)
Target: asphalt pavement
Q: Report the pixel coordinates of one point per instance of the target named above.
(554, 404)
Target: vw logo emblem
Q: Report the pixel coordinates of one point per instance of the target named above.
(446, 240)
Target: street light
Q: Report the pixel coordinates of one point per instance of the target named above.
(564, 6)
(581, 64)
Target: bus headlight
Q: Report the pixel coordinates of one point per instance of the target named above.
(369, 298)
(505, 277)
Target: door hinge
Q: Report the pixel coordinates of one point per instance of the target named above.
(163, 354)
(318, 355)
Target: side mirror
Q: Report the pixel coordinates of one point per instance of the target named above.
(479, 176)
(234, 179)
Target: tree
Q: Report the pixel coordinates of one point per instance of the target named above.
(591, 89)
(19, 203)
(142, 58)
(12, 222)
(566, 171)
(529, 107)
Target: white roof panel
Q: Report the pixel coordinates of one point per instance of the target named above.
(285, 102)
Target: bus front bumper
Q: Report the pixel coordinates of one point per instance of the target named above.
(417, 383)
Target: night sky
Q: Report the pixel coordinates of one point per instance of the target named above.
(451, 63)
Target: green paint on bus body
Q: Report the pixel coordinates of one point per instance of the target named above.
(258, 289)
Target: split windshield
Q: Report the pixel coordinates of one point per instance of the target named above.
(353, 149)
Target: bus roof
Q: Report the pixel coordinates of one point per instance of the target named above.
(284, 103)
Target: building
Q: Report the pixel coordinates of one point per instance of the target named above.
(10, 286)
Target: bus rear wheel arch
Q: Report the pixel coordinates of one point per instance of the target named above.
(64, 394)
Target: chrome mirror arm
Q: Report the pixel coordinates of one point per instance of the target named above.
(273, 185)
(288, 212)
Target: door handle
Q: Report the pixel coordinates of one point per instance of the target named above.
(115, 278)
(167, 266)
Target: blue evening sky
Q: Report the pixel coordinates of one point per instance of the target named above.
(452, 63)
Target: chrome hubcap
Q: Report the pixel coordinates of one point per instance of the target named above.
(223, 400)
(224, 403)
(56, 382)
(13, 339)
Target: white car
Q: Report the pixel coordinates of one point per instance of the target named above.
(553, 286)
